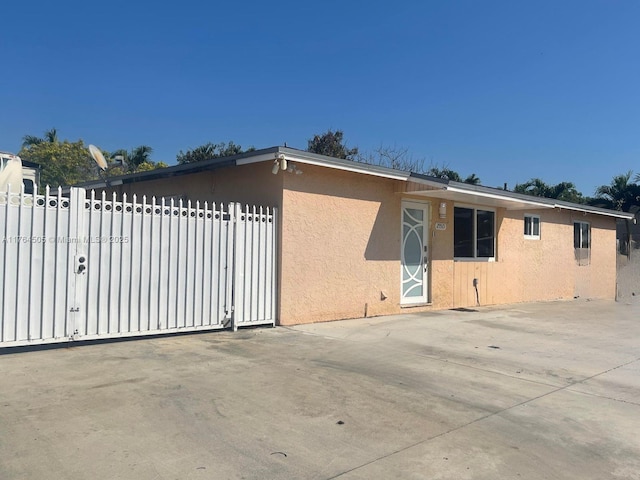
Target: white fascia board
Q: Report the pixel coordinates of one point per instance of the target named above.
(607, 213)
(502, 198)
(355, 168)
(576, 208)
(265, 157)
(310, 161)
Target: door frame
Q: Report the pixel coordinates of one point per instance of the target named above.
(425, 264)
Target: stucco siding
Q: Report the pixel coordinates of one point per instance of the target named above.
(602, 269)
(341, 246)
(527, 270)
(341, 253)
(249, 184)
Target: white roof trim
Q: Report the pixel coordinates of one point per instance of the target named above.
(258, 158)
(503, 198)
(602, 211)
(478, 196)
(355, 167)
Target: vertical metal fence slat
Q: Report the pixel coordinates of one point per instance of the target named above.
(151, 266)
(187, 311)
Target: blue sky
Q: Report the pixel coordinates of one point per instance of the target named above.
(509, 89)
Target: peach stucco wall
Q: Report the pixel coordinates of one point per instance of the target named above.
(252, 184)
(339, 243)
(545, 269)
(341, 257)
(341, 246)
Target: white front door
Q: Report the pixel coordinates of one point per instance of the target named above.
(414, 253)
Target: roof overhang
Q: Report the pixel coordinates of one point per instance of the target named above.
(297, 156)
(416, 184)
(493, 197)
(480, 198)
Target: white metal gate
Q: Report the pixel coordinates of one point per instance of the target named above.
(81, 267)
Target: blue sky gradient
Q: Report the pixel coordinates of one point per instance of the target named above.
(508, 90)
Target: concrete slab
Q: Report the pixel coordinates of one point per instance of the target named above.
(528, 391)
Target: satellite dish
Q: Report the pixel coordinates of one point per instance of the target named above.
(97, 155)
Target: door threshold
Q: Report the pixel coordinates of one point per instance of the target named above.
(413, 305)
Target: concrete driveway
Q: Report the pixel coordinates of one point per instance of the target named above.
(531, 391)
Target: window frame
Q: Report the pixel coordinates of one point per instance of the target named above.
(533, 235)
(475, 209)
(581, 240)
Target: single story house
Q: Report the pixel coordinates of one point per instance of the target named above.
(361, 240)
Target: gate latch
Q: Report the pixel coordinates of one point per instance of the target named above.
(81, 264)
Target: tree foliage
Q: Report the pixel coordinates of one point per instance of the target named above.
(449, 174)
(210, 151)
(62, 163)
(565, 191)
(331, 144)
(395, 157)
(621, 193)
(50, 136)
(66, 163)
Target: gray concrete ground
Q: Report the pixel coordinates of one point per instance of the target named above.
(531, 391)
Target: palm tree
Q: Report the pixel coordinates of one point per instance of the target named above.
(50, 136)
(566, 191)
(138, 156)
(445, 173)
(535, 187)
(472, 179)
(620, 195)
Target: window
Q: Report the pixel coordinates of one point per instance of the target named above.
(581, 235)
(582, 242)
(28, 186)
(532, 227)
(473, 233)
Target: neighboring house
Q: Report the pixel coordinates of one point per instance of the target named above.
(30, 175)
(360, 240)
(30, 171)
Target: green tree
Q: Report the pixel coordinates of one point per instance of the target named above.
(472, 179)
(147, 166)
(535, 187)
(50, 136)
(331, 144)
(622, 195)
(138, 156)
(445, 173)
(62, 163)
(449, 174)
(209, 151)
(565, 191)
(136, 160)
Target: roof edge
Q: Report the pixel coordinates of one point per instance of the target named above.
(533, 200)
(304, 157)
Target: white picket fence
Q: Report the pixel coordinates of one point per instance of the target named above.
(82, 267)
